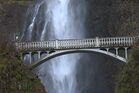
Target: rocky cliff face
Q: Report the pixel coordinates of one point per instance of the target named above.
(11, 19)
(124, 18)
(112, 18)
(104, 17)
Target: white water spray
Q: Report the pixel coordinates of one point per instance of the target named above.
(63, 23)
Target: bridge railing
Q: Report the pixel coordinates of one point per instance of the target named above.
(77, 43)
(64, 44)
(118, 41)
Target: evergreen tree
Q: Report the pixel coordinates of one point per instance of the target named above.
(15, 77)
(129, 78)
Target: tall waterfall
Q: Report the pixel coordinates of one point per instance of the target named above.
(56, 19)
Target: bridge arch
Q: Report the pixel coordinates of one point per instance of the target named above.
(62, 52)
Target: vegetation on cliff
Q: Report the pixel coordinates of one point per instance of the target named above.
(15, 77)
(128, 81)
(129, 78)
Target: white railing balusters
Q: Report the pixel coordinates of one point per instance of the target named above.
(82, 43)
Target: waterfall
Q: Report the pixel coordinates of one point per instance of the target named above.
(56, 19)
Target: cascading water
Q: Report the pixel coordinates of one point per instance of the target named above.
(57, 19)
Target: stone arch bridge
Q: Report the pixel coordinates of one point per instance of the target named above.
(110, 46)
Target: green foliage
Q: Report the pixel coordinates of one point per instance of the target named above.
(129, 78)
(14, 76)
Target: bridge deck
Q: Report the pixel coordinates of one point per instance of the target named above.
(77, 43)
